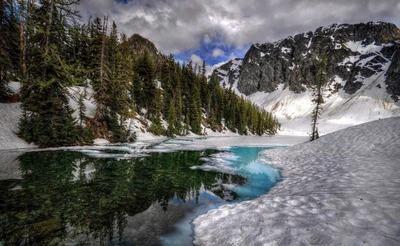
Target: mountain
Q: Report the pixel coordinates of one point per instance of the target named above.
(363, 73)
(140, 45)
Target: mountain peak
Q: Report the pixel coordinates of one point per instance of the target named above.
(354, 50)
(363, 62)
(140, 45)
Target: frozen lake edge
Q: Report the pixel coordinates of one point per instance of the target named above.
(340, 189)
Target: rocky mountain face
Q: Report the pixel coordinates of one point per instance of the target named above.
(140, 45)
(355, 52)
(363, 61)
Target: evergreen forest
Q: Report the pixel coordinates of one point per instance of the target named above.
(47, 48)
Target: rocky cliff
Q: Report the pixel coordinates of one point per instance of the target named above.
(362, 58)
(354, 52)
(140, 45)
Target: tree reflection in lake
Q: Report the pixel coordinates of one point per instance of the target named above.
(70, 198)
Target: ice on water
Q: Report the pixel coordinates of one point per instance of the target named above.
(342, 189)
(243, 161)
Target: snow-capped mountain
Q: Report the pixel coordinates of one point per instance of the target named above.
(363, 71)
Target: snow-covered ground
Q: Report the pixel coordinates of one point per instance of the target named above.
(11, 112)
(342, 189)
(9, 118)
(340, 110)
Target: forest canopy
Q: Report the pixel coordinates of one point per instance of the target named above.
(45, 46)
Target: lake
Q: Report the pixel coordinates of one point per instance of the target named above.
(112, 197)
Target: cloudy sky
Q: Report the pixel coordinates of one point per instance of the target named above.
(219, 30)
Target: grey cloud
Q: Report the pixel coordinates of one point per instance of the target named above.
(175, 25)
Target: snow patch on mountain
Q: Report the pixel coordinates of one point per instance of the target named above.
(340, 110)
(362, 74)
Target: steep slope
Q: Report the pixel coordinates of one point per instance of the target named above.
(363, 71)
(140, 45)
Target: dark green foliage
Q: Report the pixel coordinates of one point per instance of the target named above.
(48, 122)
(148, 90)
(118, 133)
(9, 46)
(318, 100)
(56, 52)
(55, 193)
(47, 119)
(171, 119)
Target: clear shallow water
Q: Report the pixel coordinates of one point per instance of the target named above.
(77, 199)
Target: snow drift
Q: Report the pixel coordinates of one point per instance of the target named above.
(342, 189)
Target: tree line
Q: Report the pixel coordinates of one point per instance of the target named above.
(47, 49)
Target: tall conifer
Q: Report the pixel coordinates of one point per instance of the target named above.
(320, 81)
(47, 119)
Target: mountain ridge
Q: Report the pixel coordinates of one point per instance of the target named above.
(363, 61)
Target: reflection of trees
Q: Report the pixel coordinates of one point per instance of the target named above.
(57, 197)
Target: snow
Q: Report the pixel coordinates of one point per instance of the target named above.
(75, 93)
(221, 71)
(15, 86)
(340, 109)
(10, 114)
(286, 50)
(338, 46)
(342, 189)
(236, 63)
(359, 48)
(100, 141)
(309, 43)
(350, 59)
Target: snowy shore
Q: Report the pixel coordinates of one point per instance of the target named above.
(9, 118)
(343, 189)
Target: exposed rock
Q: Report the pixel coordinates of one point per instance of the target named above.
(393, 76)
(140, 45)
(229, 73)
(355, 52)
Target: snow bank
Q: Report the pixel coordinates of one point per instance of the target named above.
(258, 141)
(9, 118)
(342, 189)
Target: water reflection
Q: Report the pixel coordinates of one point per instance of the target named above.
(71, 198)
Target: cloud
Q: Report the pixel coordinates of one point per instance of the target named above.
(196, 60)
(218, 52)
(210, 69)
(175, 26)
(207, 39)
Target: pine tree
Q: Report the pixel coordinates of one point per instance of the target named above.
(147, 97)
(192, 96)
(126, 77)
(102, 81)
(318, 100)
(171, 119)
(137, 91)
(47, 119)
(9, 46)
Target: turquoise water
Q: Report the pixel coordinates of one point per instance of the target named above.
(260, 177)
(75, 198)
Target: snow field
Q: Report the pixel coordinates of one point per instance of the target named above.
(342, 189)
(339, 111)
(9, 118)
